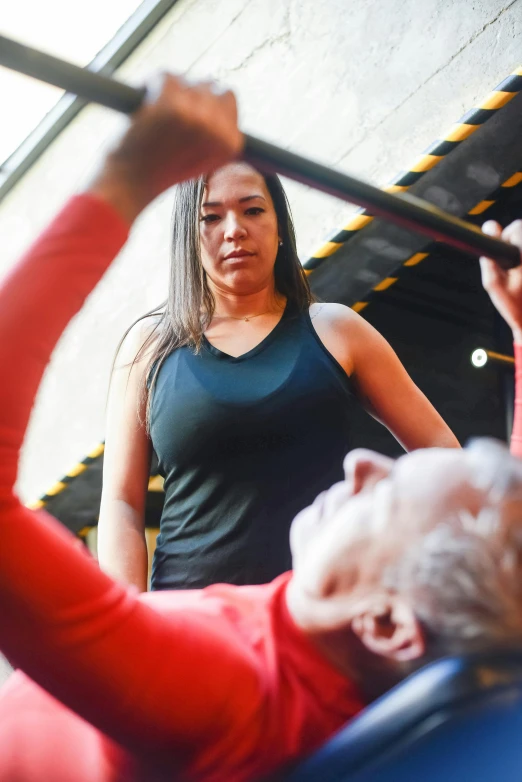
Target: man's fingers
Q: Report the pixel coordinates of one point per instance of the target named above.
(489, 269)
(161, 83)
(492, 228)
(513, 233)
(492, 274)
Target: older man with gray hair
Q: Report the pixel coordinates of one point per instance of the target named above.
(399, 563)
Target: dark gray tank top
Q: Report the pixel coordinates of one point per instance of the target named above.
(244, 444)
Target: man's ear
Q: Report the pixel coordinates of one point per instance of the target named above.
(364, 468)
(387, 626)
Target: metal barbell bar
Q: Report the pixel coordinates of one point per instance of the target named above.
(403, 209)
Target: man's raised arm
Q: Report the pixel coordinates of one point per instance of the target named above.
(505, 291)
(88, 641)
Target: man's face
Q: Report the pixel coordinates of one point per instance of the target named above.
(357, 527)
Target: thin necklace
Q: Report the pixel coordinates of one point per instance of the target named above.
(249, 317)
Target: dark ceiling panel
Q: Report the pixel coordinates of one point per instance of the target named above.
(474, 170)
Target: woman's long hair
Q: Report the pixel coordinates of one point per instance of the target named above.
(188, 311)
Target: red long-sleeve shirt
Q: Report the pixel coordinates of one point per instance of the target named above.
(217, 684)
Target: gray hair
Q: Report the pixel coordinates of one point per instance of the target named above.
(464, 577)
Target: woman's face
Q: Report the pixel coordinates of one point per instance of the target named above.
(238, 230)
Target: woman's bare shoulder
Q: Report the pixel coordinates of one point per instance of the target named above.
(333, 315)
(139, 340)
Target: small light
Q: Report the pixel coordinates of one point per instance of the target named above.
(479, 358)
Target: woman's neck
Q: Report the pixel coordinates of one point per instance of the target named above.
(233, 305)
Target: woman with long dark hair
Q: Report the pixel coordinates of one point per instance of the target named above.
(246, 389)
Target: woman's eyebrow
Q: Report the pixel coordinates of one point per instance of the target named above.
(241, 200)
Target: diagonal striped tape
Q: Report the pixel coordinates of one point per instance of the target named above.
(155, 482)
(417, 258)
(455, 135)
(73, 473)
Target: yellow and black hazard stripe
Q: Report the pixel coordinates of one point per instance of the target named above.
(498, 193)
(62, 484)
(415, 259)
(457, 133)
(83, 532)
(155, 482)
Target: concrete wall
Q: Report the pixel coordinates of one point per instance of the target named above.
(363, 86)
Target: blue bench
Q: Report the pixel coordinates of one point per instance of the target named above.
(457, 720)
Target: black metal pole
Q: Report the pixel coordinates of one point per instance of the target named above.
(91, 86)
(405, 210)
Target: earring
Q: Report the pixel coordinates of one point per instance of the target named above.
(280, 243)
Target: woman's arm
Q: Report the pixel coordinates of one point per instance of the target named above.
(381, 382)
(122, 548)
